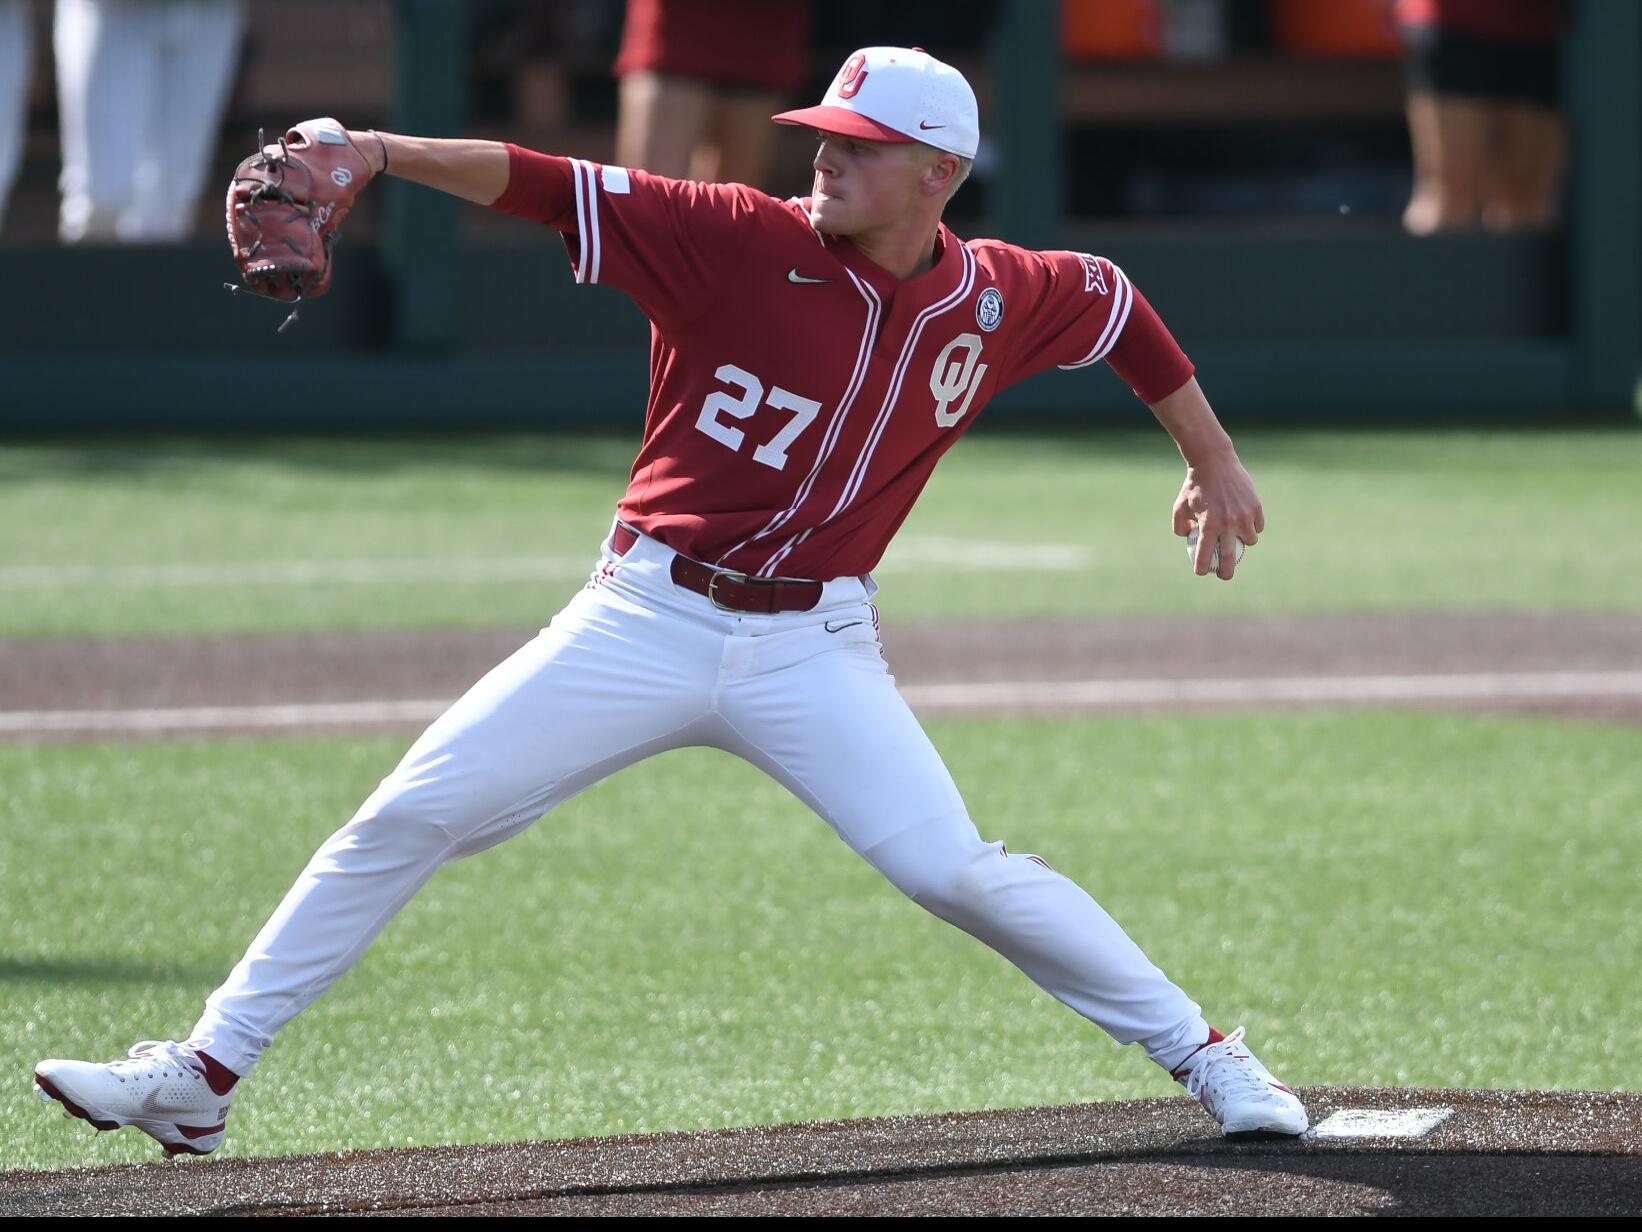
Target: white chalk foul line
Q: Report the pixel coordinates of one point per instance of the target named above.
(973, 698)
(915, 553)
(206, 718)
(931, 551)
(1255, 691)
(292, 573)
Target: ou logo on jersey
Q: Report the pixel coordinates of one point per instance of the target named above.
(958, 373)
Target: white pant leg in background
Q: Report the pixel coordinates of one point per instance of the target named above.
(198, 57)
(105, 65)
(16, 69)
(819, 711)
(610, 682)
(140, 89)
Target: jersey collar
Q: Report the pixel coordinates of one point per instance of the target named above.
(932, 284)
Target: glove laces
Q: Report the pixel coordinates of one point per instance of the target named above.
(277, 191)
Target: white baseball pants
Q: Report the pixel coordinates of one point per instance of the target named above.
(16, 69)
(141, 87)
(635, 666)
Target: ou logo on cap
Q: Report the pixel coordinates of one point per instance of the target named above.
(853, 78)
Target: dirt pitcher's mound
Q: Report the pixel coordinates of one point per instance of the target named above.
(1371, 1152)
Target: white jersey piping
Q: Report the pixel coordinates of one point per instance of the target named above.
(1122, 301)
(863, 356)
(587, 219)
(858, 474)
(581, 220)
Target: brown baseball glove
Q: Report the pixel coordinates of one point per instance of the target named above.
(285, 205)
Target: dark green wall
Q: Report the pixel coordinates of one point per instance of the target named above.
(1300, 324)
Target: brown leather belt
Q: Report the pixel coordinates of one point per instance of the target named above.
(735, 592)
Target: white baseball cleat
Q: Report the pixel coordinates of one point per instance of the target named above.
(1239, 1092)
(161, 1087)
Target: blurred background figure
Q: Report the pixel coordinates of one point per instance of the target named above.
(524, 59)
(700, 80)
(141, 87)
(16, 70)
(1483, 93)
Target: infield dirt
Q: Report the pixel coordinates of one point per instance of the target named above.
(1499, 1153)
(153, 674)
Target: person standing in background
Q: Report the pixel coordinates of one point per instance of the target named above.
(1483, 94)
(699, 79)
(127, 69)
(16, 71)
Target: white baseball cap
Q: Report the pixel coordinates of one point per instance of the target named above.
(897, 94)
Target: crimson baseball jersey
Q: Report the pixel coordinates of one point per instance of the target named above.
(800, 395)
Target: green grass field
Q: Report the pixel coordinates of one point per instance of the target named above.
(1384, 898)
(163, 536)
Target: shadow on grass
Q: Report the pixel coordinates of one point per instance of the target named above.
(173, 458)
(1370, 448)
(103, 971)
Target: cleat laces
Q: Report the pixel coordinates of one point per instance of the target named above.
(1233, 1070)
(157, 1058)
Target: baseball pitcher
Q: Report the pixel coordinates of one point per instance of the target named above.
(811, 360)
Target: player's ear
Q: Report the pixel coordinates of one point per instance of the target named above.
(940, 173)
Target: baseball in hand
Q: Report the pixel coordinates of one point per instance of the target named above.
(1214, 558)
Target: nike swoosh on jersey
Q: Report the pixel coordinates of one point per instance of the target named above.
(839, 628)
(794, 276)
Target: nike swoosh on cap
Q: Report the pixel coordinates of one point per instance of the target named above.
(794, 276)
(922, 125)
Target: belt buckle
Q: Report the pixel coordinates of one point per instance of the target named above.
(713, 581)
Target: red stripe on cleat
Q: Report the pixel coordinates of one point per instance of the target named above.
(73, 1108)
(179, 1148)
(201, 1131)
